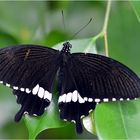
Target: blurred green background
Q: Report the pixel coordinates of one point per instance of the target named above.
(40, 22)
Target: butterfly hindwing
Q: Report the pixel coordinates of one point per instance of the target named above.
(30, 71)
(32, 105)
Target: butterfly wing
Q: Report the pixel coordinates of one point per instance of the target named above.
(104, 78)
(29, 70)
(89, 79)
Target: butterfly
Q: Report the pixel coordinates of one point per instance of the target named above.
(84, 80)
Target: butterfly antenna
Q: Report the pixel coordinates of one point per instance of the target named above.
(81, 28)
(63, 19)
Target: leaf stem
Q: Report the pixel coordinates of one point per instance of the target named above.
(107, 15)
(105, 25)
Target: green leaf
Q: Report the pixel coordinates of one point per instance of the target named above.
(118, 120)
(51, 118)
(22, 19)
(136, 8)
(7, 39)
(123, 36)
(89, 123)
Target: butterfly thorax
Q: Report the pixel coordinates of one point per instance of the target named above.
(66, 47)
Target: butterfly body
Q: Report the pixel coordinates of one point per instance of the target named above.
(84, 80)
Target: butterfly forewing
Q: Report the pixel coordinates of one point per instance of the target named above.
(100, 77)
(24, 65)
(32, 105)
(30, 71)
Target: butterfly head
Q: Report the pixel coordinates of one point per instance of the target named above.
(66, 47)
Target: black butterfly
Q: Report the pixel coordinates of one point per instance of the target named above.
(83, 80)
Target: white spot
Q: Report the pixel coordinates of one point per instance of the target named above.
(14, 87)
(90, 99)
(90, 111)
(35, 115)
(28, 90)
(1, 82)
(82, 116)
(26, 113)
(121, 99)
(35, 89)
(47, 95)
(128, 99)
(105, 99)
(113, 99)
(135, 98)
(60, 99)
(65, 120)
(22, 89)
(41, 92)
(8, 85)
(45, 108)
(80, 99)
(63, 98)
(97, 100)
(85, 98)
(73, 121)
(68, 97)
(75, 96)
